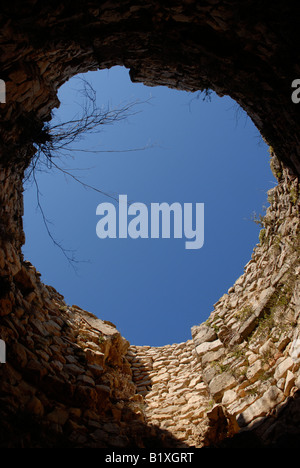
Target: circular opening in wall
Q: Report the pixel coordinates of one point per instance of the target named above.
(171, 147)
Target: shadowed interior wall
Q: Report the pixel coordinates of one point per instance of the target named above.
(247, 50)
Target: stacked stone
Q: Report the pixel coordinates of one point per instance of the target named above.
(249, 347)
(65, 372)
(68, 373)
(175, 397)
(246, 357)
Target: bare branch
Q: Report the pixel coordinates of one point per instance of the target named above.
(71, 259)
(55, 142)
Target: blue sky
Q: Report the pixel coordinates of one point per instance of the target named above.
(153, 290)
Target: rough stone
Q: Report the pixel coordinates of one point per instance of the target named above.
(203, 334)
(222, 46)
(220, 384)
(261, 407)
(289, 382)
(208, 347)
(283, 368)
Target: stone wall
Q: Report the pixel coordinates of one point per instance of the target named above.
(249, 347)
(68, 381)
(170, 379)
(245, 359)
(242, 49)
(64, 368)
(71, 379)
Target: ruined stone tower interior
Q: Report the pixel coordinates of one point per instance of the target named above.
(70, 380)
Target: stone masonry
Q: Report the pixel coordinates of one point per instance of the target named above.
(246, 357)
(70, 379)
(170, 379)
(74, 381)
